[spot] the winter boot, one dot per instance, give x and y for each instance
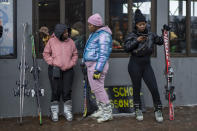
(158, 113)
(68, 110)
(106, 113)
(98, 112)
(138, 112)
(139, 115)
(54, 111)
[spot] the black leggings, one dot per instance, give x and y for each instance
(139, 67)
(61, 86)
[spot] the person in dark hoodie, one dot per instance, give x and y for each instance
(140, 44)
(1, 29)
(61, 54)
(95, 56)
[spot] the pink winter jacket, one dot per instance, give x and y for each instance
(60, 54)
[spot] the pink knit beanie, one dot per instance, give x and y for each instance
(96, 20)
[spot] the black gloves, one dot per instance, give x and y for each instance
(157, 39)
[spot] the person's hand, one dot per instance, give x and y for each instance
(96, 75)
(141, 38)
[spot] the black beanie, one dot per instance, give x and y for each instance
(139, 17)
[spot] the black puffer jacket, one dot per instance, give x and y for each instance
(1, 30)
(141, 48)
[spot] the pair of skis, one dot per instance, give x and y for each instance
(170, 96)
(22, 90)
(36, 91)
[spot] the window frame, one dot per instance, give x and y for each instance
(14, 56)
(130, 22)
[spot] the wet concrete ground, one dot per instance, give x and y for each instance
(185, 120)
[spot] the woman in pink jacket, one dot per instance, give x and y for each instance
(61, 55)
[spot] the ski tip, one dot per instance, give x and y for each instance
(171, 118)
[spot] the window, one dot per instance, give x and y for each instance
(120, 20)
(49, 16)
(48, 13)
(75, 18)
(193, 28)
(177, 22)
(183, 34)
(8, 20)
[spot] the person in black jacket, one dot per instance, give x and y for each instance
(140, 44)
(1, 29)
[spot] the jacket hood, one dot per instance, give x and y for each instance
(59, 30)
(105, 28)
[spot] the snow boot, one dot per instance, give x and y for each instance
(139, 115)
(138, 112)
(98, 112)
(68, 110)
(158, 116)
(54, 111)
(106, 113)
(158, 113)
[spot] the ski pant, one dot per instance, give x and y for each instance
(97, 86)
(61, 86)
(138, 68)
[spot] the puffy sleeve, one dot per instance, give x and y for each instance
(105, 48)
(47, 53)
(74, 55)
(130, 42)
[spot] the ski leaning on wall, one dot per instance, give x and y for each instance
(170, 96)
(36, 91)
(85, 82)
(22, 90)
(89, 105)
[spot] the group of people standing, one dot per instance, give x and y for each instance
(61, 55)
